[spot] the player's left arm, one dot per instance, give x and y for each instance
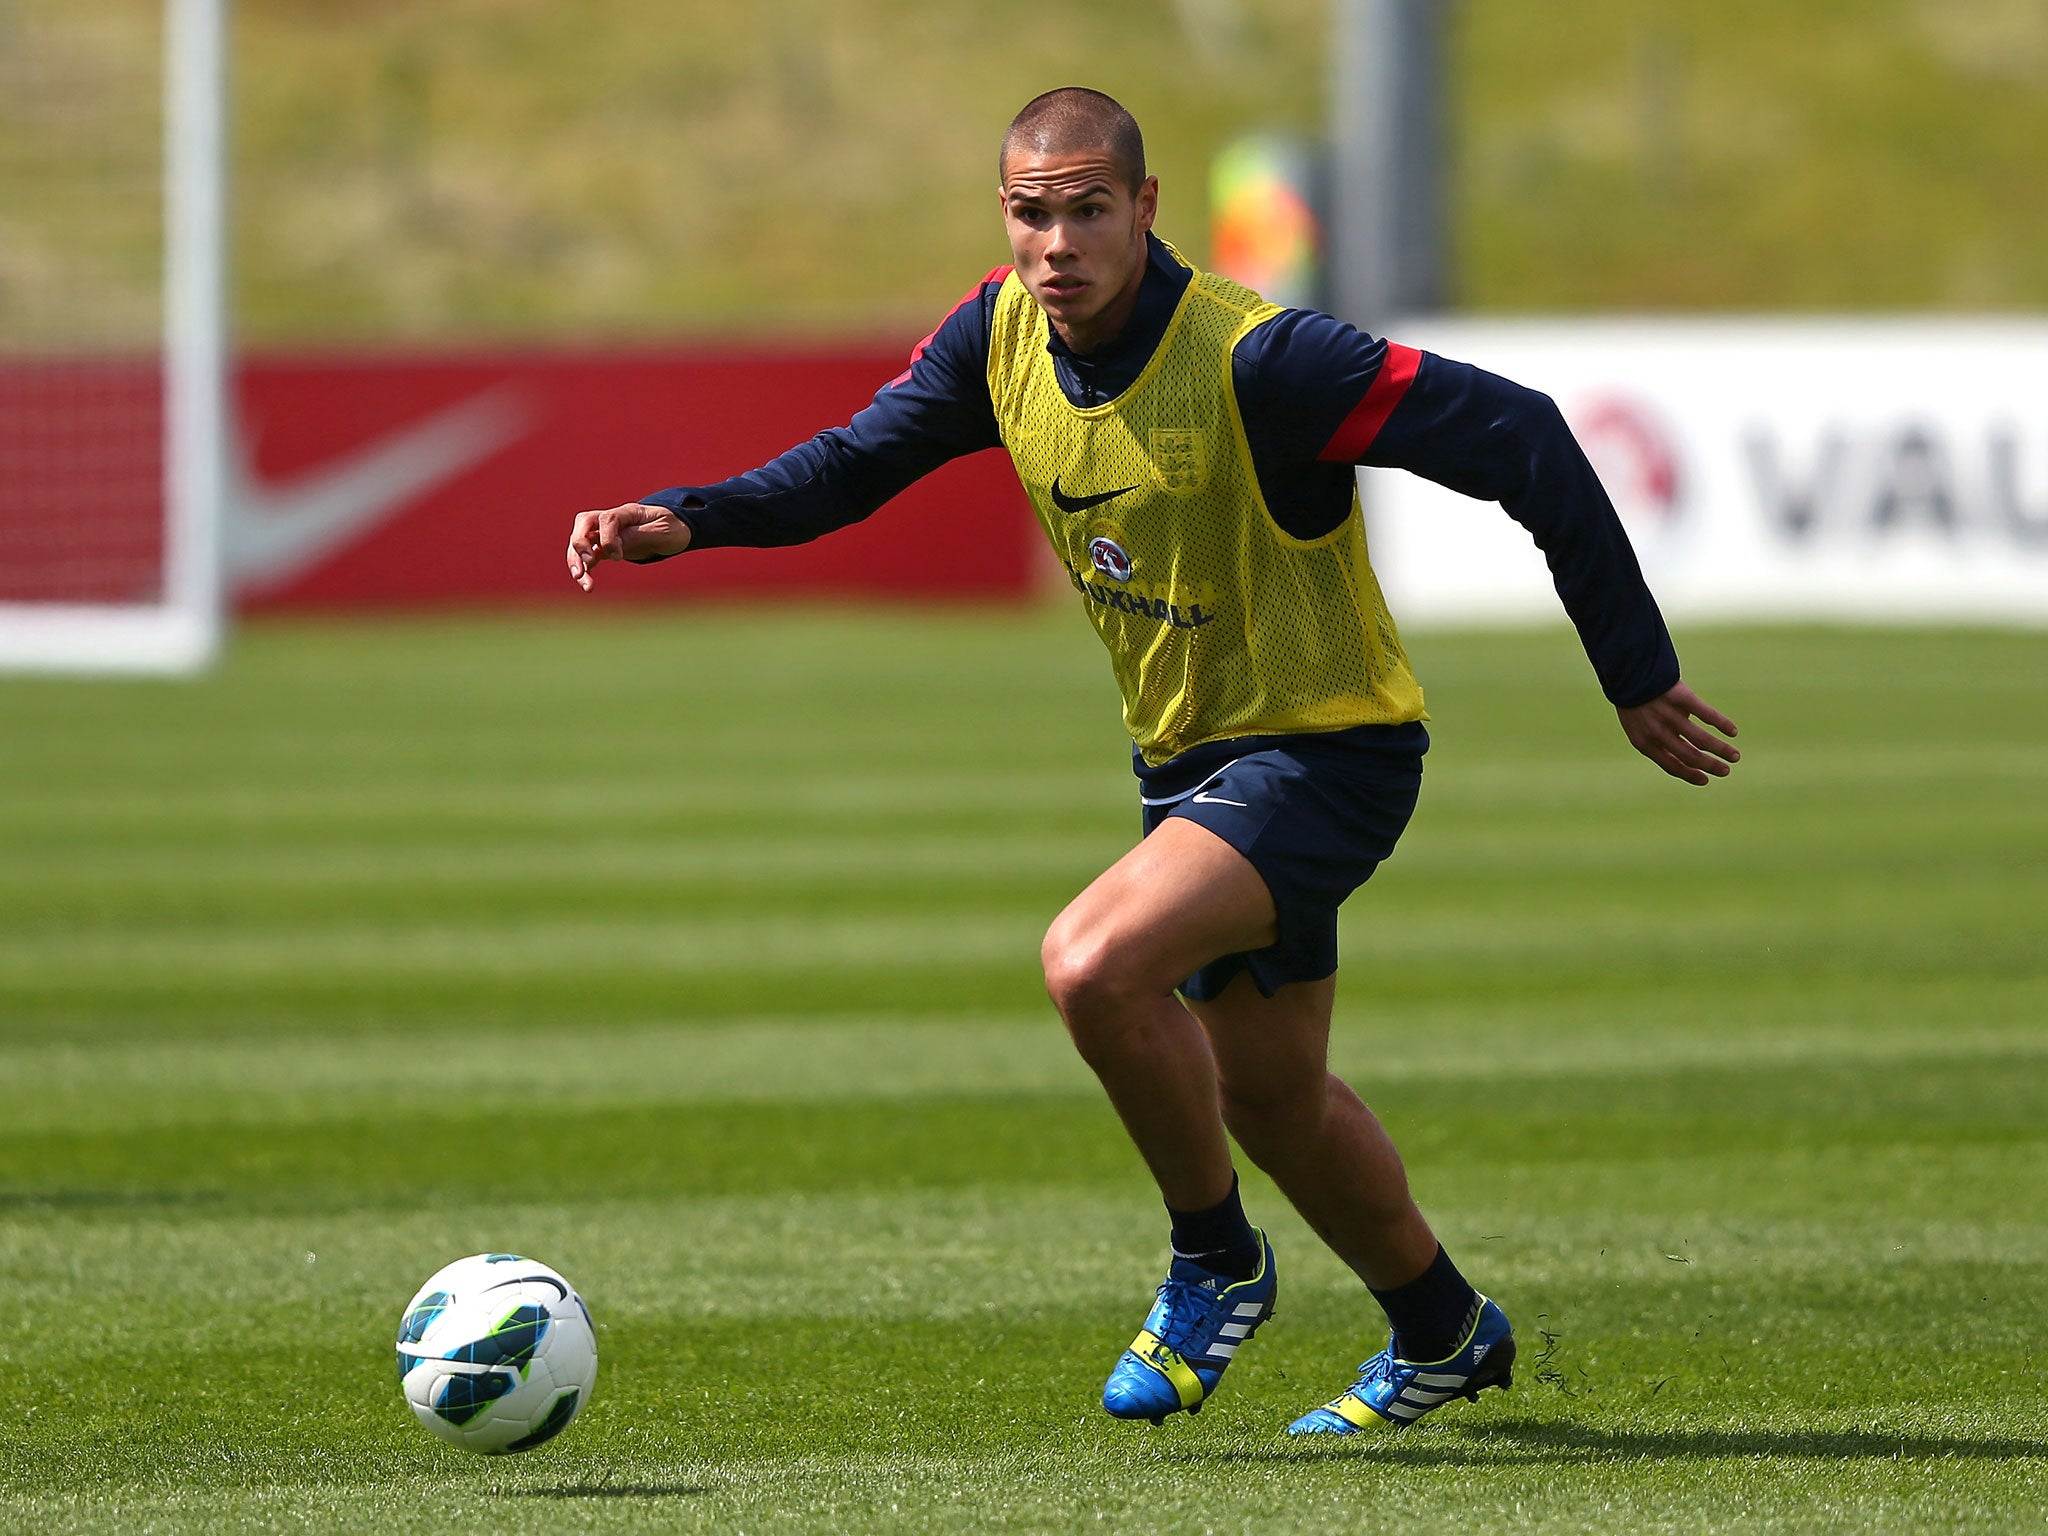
(1316, 390)
(1671, 730)
(1486, 436)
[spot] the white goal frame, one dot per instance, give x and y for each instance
(183, 632)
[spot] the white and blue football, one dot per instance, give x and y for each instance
(497, 1353)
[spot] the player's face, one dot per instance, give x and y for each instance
(1077, 234)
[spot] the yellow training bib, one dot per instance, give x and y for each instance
(1218, 623)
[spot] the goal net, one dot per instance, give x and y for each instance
(112, 388)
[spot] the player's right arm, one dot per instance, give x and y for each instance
(936, 410)
(635, 532)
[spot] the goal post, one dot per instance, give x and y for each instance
(113, 347)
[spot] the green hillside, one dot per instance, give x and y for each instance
(1805, 154)
(662, 167)
(483, 166)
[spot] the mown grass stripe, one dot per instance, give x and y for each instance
(306, 1077)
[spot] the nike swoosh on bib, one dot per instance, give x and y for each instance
(1083, 503)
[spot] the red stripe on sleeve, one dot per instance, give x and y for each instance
(1355, 434)
(995, 275)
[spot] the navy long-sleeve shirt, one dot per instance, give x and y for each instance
(1317, 397)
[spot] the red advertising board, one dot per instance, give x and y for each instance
(394, 479)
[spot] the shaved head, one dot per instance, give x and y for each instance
(1071, 120)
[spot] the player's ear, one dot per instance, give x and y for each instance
(1148, 204)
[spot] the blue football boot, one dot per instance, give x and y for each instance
(1189, 1338)
(1391, 1392)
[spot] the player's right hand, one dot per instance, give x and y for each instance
(634, 531)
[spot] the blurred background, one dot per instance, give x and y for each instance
(483, 172)
(487, 263)
(688, 931)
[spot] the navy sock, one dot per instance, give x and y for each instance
(1219, 1239)
(1432, 1313)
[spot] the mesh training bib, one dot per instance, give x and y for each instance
(1218, 623)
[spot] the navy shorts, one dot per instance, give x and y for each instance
(1315, 814)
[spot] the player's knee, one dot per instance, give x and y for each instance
(1089, 978)
(1078, 974)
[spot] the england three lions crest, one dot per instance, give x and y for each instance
(1181, 456)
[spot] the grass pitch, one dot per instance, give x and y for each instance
(696, 957)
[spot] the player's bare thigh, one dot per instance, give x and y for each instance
(1177, 901)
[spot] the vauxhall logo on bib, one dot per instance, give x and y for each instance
(1111, 564)
(1109, 559)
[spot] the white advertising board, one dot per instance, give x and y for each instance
(1783, 470)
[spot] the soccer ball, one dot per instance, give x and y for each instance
(496, 1353)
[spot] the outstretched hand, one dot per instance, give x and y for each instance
(634, 531)
(1671, 731)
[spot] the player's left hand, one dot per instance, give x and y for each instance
(1671, 731)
